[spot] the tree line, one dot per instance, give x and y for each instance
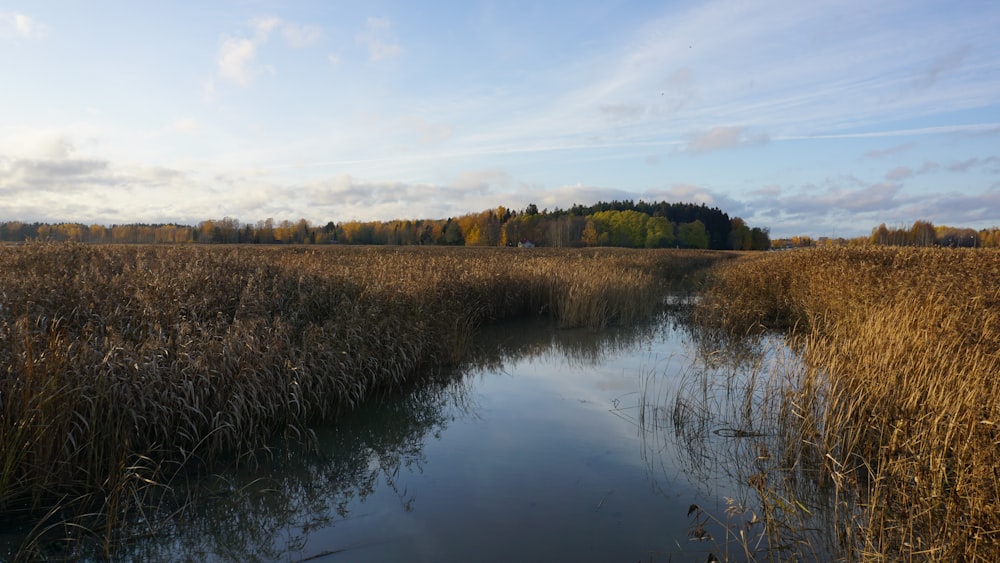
(921, 233)
(925, 233)
(616, 223)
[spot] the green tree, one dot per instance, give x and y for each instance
(740, 237)
(452, 233)
(760, 239)
(624, 228)
(659, 232)
(631, 228)
(692, 235)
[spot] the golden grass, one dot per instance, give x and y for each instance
(117, 362)
(899, 404)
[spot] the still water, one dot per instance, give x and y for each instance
(548, 445)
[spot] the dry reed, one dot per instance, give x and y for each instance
(899, 404)
(119, 362)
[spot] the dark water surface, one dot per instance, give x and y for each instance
(550, 445)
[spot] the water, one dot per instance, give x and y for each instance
(549, 445)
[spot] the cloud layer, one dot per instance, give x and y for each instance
(17, 24)
(808, 118)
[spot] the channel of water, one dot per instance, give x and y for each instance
(547, 445)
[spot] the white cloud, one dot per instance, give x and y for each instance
(482, 180)
(379, 40)
(333, 58)
(847, 205)
(846, 77)
(37, 144)
(236, 58)
(16, 24)
(263, 27)
(566, 196)
(351, 198)
(815, 208)
(95, 190)
(690, 193)
(299, 36)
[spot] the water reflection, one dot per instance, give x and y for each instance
(281, 507)
(655, 442)
(500, 345)
(734, 423)
(270, 510)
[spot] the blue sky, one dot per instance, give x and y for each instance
(820, 118)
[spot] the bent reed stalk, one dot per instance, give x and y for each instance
(118, 358)
(900, 395)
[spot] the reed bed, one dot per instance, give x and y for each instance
(118, 363)
(898, 405)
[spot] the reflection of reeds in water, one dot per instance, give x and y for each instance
(125, 366)
(514, 340)
(726, 423)
(269, 510)
(897, 405)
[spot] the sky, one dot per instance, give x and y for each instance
(818, 118)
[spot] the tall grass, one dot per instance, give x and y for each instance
(899, 404)
(119, 363)
(266, 512)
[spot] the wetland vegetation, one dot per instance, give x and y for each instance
(871, 436)
(891, 417)
(123, 364)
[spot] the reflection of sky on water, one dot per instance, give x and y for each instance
(542, 469)
(536, 452)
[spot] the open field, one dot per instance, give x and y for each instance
(896, 416)
(119, 364)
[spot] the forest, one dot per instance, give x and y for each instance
(625, 224)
